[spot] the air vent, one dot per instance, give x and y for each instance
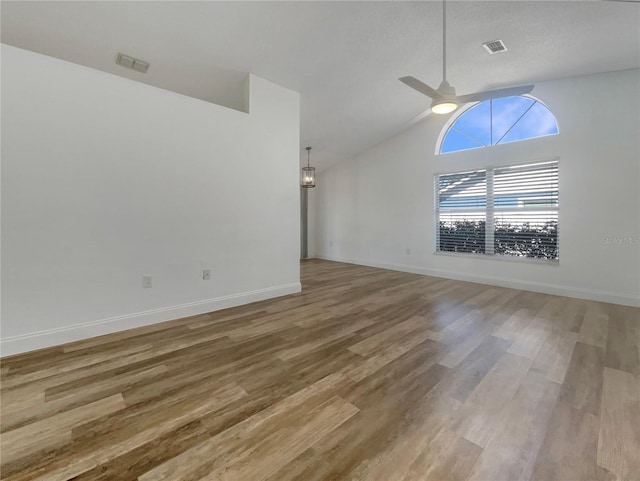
(495, 46)
(132, 63)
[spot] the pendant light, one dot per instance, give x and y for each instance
(308, 173)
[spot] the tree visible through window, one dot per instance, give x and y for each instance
(499, 121)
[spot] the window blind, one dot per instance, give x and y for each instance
(510, 211)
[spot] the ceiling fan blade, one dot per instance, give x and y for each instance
(495, 94)
(419, 117)
(421, 87)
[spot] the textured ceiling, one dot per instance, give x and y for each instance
(343, 57)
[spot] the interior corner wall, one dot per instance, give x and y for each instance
(378, 208)
(105, 180)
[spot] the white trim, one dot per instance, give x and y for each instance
(545, 288)
(62, 335)
(499, 257)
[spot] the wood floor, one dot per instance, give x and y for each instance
(368, 375)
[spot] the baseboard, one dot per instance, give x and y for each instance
(63, 335)
(555, 289)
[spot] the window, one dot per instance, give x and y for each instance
(506, 211)
(499, 121)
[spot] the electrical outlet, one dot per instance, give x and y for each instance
(331, 243)
(408, 251)
(147, 281)
(206, 275)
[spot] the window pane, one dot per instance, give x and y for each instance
(455, 141)
(462, 233)
(462, 191)
(462, 202)
(530, 234)
(506, 112)
(536, 122)
(526, 210)
(476, 123)
(499, 121)
(526, 186)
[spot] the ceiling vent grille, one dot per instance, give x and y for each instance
(132, 63)
(495, 46)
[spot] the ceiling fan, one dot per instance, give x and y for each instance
(444, 97)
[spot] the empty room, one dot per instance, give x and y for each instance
(320, 240)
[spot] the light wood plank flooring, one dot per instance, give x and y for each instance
(368, 375)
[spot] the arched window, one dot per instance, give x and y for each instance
(499, 121)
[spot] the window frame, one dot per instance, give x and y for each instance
(462, 111)
(490, 170)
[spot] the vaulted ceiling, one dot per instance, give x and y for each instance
(343, 57)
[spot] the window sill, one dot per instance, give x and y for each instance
(502, 258)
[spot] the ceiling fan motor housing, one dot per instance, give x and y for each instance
(446, 90)
(447, 102)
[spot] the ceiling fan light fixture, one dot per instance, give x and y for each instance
(443, 106)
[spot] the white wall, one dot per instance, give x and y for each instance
(373, 208)
(105, 180)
